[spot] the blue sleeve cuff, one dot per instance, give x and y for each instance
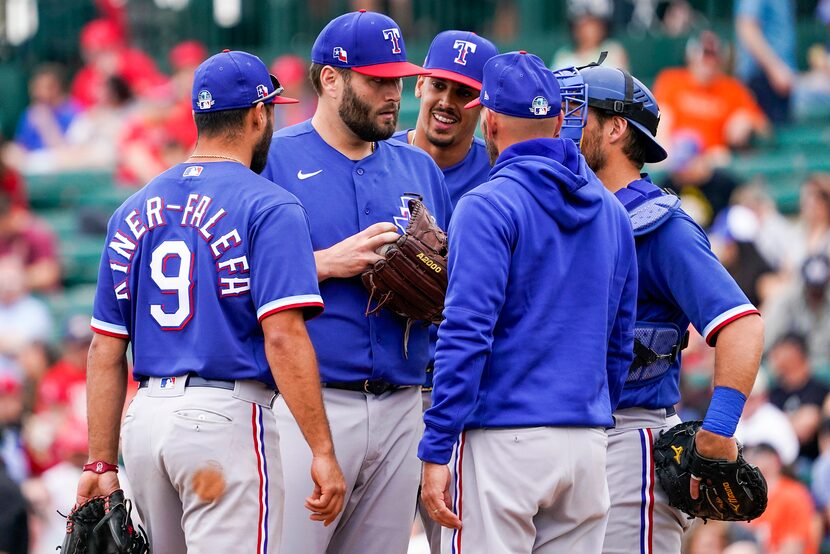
(436, 446)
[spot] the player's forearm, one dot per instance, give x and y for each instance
(291, 357)
(738, 353)
(106, 383)
(753, 39)
(321, 259)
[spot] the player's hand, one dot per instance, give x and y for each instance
(435, 495)
(92, 484)
(356, 254)
(326, 501)
(715, 447)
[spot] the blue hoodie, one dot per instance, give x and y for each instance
(539, 314)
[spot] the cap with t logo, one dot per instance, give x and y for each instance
(366, 42)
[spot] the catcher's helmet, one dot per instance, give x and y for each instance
(616, 92)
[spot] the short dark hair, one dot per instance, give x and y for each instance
(224, 122)
(314, 71)
(634, 146)
(796, 339)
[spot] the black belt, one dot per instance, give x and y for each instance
(195, 381)
(369, 386)
(670, 411)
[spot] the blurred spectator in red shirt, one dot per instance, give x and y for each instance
(50, 112)
(163, 133)
(11, 183)
(701, 98)
(292, 71)
(185, 57)
(32, 242)
(63, 387)
(106, 53)
(789, 522)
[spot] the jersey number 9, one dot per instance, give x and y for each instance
(180, 284)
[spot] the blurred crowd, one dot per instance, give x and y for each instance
(122, 114)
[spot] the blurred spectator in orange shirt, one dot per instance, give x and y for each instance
(701, 98)
(291, 71)
(789, 523)
(32, 242)
(106, 53)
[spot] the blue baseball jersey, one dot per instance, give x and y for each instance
(343, 197)
(539, 315)
(467, 174)
(194, 261)
(680, 282)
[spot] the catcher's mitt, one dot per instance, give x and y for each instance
(411, 280)
(729, 491)
(102, 525)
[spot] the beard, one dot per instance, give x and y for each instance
(595, 157)
(359, 117)
(492, 149)
(260, 155)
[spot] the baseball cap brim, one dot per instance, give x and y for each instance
(274, 97)
(473, 104)
(455, 77)
(654, 152)
(392, 70)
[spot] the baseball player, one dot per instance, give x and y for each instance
(681, 281)
(445, 131)
(516, 375)
(208, 271)
(356, 186)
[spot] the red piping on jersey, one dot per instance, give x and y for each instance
(109, 333)
(711, 338)
(294, 306)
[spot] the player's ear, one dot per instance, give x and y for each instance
(419, 84)
(330, 81)
(490, 122)
(259, 116)
(558, 124)
(616, 129)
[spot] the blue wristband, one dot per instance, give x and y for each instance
(724, 411)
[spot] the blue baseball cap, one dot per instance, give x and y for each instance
(234, 80)
(366, 42)
(519, 84)
(459, 56)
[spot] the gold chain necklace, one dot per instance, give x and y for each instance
(215, 157)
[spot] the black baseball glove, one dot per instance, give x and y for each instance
(729, 491)
(102, 525)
